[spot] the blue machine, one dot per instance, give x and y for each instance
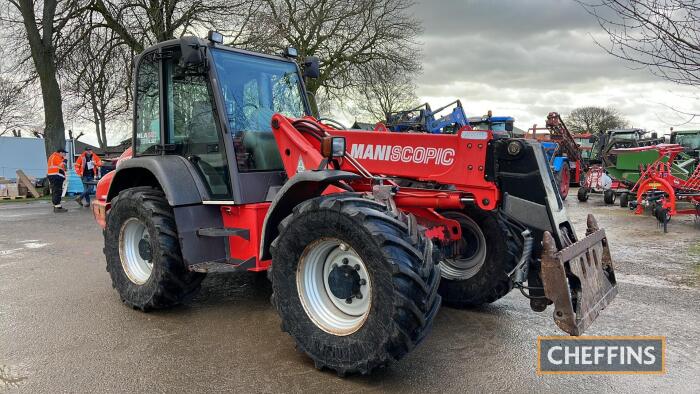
(555, 161)
(499, 124)
(423, 119)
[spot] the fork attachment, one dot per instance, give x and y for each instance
(579, 279)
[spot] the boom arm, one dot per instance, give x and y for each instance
(451, 171)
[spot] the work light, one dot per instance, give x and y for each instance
(291, 52)
(333, 147)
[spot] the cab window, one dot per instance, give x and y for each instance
(147, 127)
(254, 88)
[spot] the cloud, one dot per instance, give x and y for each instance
(527, 58)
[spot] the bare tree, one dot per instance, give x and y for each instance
(384, 91)
(97, 80)
(661, 35)
(348, 36)
(140, 23)
(16, 107)
(44, 23)
(595, 120)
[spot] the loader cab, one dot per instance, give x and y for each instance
(500, 125)
(212, 105)
(689, 139)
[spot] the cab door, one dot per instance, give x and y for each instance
(191, 126)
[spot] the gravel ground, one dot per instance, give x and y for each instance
(63, 328)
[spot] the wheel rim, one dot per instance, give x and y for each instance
(329, 274)
(471, 252)
(135, 251)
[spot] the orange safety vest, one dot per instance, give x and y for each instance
(80, 163)
(57, 165)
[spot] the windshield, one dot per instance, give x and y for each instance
(254, 88)
(584, 142)
(494, 126)
(626, 136)
(689, 141)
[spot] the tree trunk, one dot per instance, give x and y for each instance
(44, 58)
(54, 131)
(103, 133)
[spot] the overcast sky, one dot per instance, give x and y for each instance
(525, 58)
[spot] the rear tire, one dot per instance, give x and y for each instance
(489, 281)
(582, 194)
(401, 282)
(609, 197)
(563, 179)
(143, 251)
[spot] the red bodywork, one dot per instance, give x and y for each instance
(658, 177)
(100, 205)
(251, 217)
(556, 131)
(457, 160)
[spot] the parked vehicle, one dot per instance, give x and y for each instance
(689, 139)
(600, 176)
(229, 172)
(425, 119)
(563, 153)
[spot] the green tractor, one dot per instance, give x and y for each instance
(689, 139)
(603, 175)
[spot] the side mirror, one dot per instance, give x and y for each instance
(592, 140)
(192, 53)
(312, 68)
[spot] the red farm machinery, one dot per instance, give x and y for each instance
(666, 187)
(362, 234)
(602, 174)
(561, 150)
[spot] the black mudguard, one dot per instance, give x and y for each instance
(176, 176)
(303, 186)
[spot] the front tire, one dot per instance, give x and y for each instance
(609, 197)
(478, 274)
(582, 194)
(389, 274)
(143, 251)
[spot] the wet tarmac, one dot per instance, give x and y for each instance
(63, 328)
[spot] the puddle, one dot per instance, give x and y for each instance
(28, 244)
(8, 252)
(10, 377)
(35, 245)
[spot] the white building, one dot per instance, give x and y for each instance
(26, 154)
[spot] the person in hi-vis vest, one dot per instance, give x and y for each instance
(56, 174)
(88, 168)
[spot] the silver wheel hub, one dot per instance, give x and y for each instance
(135, 251)
(469, 254)
(334, 286)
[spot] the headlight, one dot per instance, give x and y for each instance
(514, 148)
